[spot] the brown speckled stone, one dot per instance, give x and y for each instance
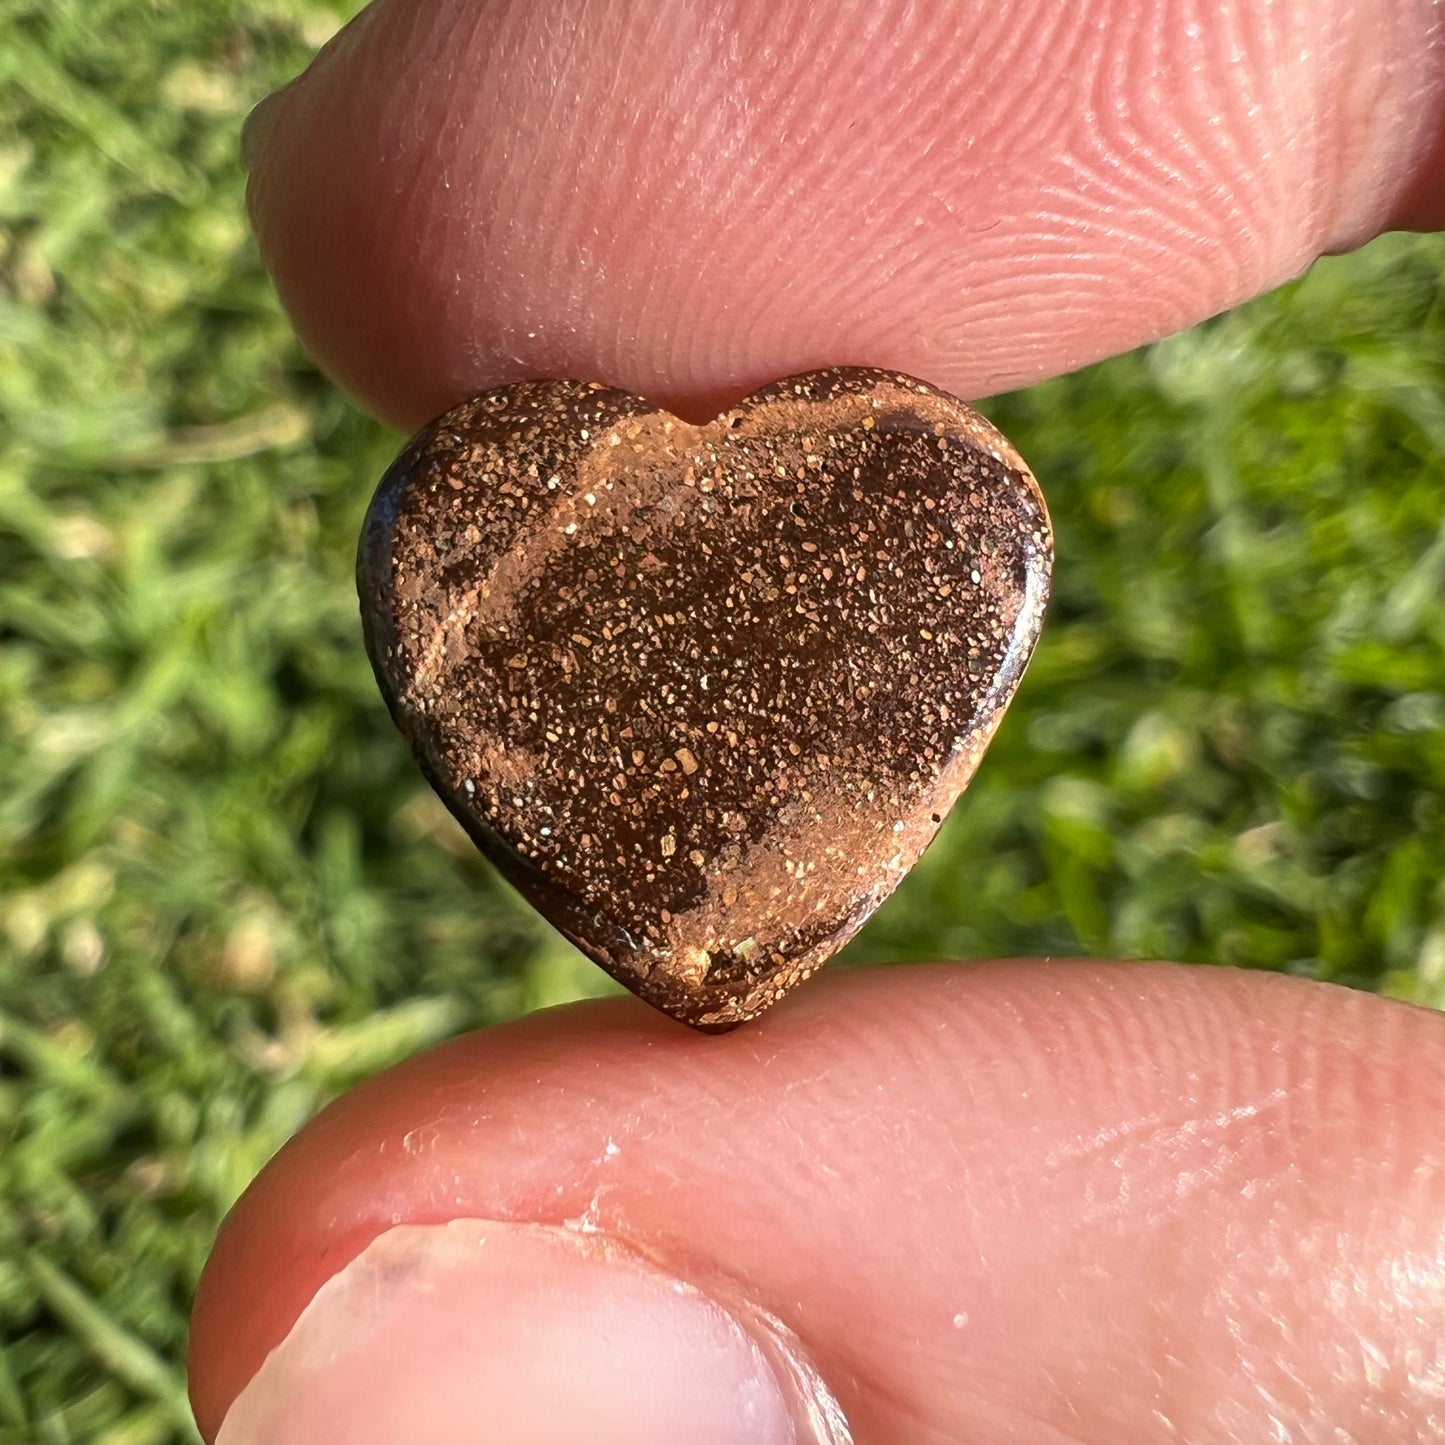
(705, 693)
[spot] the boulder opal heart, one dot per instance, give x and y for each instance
(705, 693)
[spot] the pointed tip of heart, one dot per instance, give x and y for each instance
(705, 693)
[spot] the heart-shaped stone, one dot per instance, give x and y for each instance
(705, 693)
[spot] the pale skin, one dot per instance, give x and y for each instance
(1013, 1202)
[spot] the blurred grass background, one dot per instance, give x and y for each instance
(225, 894)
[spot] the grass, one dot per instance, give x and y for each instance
(225, 895)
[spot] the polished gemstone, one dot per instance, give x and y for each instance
(704, 693)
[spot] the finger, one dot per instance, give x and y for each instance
(688, 200)
(1002, 1203)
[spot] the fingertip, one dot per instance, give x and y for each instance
(1211, 1186)
(689, 202)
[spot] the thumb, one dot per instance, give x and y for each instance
(1007, 1203)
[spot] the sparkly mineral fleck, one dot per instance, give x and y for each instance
(705, 693)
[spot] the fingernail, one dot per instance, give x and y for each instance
(257, 126)
(262, 120)
(476, 1330)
